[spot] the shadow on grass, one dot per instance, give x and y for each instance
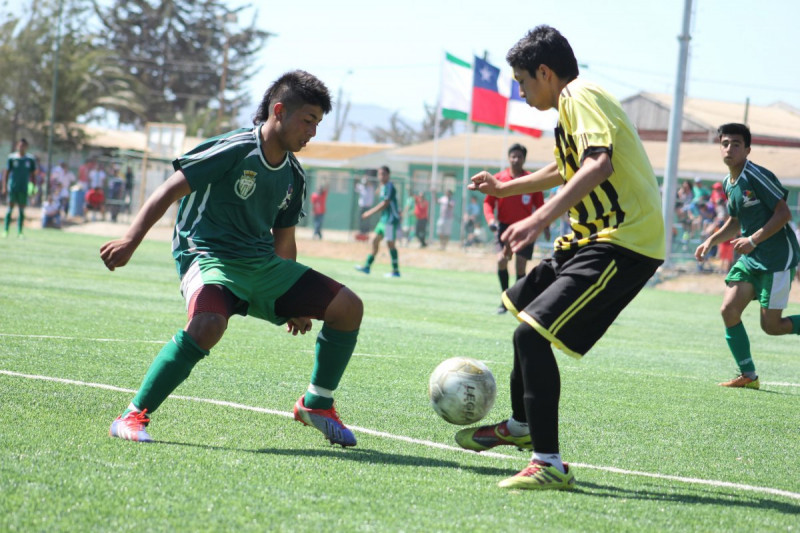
(688, 496)
(361, 455)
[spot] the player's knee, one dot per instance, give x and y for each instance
(525, 335)
(730, 314)
(345, 311)
(772, 327)
(207, 329)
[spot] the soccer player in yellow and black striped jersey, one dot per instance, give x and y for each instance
(615, 245)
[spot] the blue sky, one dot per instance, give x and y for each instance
(388, 53)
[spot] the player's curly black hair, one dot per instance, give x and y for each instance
(544, 45)
(735, 128)
(294, 89)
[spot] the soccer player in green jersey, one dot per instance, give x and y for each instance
(16, 177)
(615, 246)
(388, 225)
(241, 196)
(770, 252)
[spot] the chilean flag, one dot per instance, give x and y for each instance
(526, 119)
(489, 95)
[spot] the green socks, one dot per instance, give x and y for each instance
(370, 260)
(739, 344)
(795, 324)
(395, 260)
(333, 352)
(169, 369)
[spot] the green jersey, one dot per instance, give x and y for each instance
(20, 170)
(237, 199)
(390, 214)
(752, 198)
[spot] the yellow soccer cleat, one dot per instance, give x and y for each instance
(540, 476)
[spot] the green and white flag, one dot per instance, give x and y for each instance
(456, 88)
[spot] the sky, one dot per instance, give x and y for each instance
(389, 54)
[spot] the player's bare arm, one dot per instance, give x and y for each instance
(376, 209)
(780, 217)
(729, 230)
(286, 247)
(285, 242)
(543, 179)
(596, 168)
(118, 252)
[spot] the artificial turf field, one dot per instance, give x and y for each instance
(656, 445)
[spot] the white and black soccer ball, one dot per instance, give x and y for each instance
(462, 390)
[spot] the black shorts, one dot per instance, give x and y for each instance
(526, 252)
(572, 297)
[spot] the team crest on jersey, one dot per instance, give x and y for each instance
(246, 184)
(286, 199)
(750, 198)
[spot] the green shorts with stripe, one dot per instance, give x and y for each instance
(388, 230)
(572, 297)
(257, 281)
(771, 288)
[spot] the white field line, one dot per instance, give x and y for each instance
(357, 354)
(429, 444)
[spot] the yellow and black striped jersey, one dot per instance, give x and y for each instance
(626, 208)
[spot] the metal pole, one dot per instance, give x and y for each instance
(675, 134)
(46, 184)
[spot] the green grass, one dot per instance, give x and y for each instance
(644, 401)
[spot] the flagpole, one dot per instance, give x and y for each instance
(433, 182)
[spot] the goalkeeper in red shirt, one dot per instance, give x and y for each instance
(509, 210)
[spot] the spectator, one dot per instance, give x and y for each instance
(471, 222)
(318, 199)
(408, 218)
(51, 209)
(445, 222)
(116, 193)
(366, 196)
(63, 176)
(421, 209)
(95, 201)
(97, 177)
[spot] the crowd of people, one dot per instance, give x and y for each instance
(97, 190)
(699, 212)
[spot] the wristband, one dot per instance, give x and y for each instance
(750, 240)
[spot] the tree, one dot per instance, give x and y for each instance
(401, 133)
(87, 81)
(182, 52)
(427, 131)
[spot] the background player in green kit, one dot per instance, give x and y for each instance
(757, 206)
(234, 246)
(388, 225)
(617, 242)
(16, 177)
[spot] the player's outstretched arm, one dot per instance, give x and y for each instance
(375, 209)
(543, 179)
(729, 230)
(118, 252)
